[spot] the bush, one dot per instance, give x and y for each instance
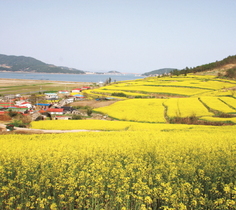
(12, 113)
(10, 127)
(76, 117)
(89, 111)
(119, 94)
(231, 73)
(18, 123)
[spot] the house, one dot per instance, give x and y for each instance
(85, 88)
(63, 117)
(43, 106)
(70, 100)
(63, 92)
(55, 111)
(67, 109)
(6, 104)
(100, 83)
(9, 97)
(51, 96)
(76, 90)
(78, 96)
(24, 104)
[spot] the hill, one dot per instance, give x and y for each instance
(158, 71)
(225, 67)
(13, 63)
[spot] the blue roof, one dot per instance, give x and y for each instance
(79, 95)
(41, 104)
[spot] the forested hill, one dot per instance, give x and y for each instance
(158, 71)
(226, 67)
(13, 63)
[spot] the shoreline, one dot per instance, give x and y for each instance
(32, 72)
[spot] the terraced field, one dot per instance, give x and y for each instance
(192, 85)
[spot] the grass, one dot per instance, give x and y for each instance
(37, 86)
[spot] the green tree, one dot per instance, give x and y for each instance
(231, 73)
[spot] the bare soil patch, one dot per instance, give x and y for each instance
(16, 82)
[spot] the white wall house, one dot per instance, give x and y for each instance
(51, 96)
(63, 92)
(76, 90)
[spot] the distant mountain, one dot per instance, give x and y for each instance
(13, 63)
(113, 72)
(158, 71)
(108, 72)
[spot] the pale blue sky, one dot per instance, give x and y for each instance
(133, 36)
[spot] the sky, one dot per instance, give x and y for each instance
(130, 36)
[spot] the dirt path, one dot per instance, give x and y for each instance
(40, 131)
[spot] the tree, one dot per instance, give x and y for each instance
(231, 73)
(36, 99)
(12, 113)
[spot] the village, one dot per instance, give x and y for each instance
(19, 110)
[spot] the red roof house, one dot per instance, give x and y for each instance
(55, 111)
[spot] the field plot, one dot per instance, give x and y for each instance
(103, 125)
(229, 101)
(139, 110)
(216, 104)
(131, 170)
(182, 91)
(220, 119)
(186, 107)
(115, 93)
(192, 83)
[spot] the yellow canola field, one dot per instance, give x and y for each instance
(80, 125)
(109, 92)
(219, 119)
(216, 104)
(103, 125)
(230, 101)
(119, 170)
(156, 89)
(187, 85)
(194, 83)
(139, 110)
(186, 107)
